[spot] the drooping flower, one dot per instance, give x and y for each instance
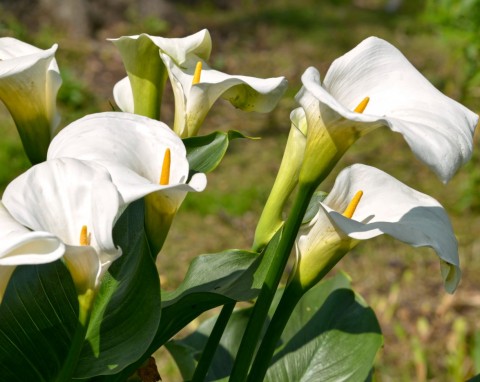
(72, 201)
(20, 246)
(145, 158)
(195, 85)
(29, 82)
(375, 85)
(386, 207)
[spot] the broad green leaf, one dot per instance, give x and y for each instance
(204, 153)
(211, 280)
(127, 308)
(38, 317)
(39, 313)
(331, 336)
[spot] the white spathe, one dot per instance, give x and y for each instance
(387, 207)
(20, 246)
(61, 196)
(132, 148)
(194, 101)
(179, 48)
(29, 83)
(438, 129)
(136, 50)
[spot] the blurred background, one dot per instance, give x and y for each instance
(429, 335)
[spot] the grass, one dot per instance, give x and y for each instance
(429, 335)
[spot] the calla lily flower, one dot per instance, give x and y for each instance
(141, 92)
(133, 148)
(20, 246)
(29, 82)
(375, 85)
(71, 206)
(386, 207)
(195, 85)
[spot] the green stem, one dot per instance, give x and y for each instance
(284, 310)
(70, 363)
(259, 314)
(85, 304)
(212, 343)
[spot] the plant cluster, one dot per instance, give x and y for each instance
(83, 228)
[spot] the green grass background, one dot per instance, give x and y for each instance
(429, 335)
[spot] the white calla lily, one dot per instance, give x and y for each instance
(29, 82)
(197, 87)
(387, 207)
(76, 202)
(20, 246)
(141, 92)
(132, 148)
(390, 92)
(193, 99)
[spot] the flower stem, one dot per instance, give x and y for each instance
(284, 310)
(259, 314)
(212, 343)
(66, 373)
(85, 304)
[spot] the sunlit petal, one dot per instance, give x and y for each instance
(61, 196)
(438, 129)
(132, 148)
(192, 102)
(123, 95)
(20, 246)
(387, 207)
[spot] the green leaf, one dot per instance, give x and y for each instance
(331, 336)
(204, 153)
(211, 280)
(38, 317)
(126, 313)
(40, 336)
